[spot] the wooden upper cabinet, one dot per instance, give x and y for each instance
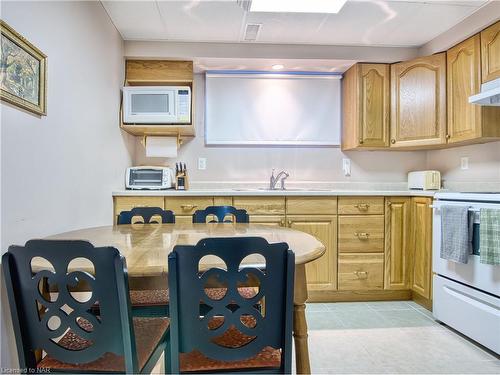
(366, 93)
(468, 123)
(490, 52)
(464, 80)
(158, 72)
(418, 102)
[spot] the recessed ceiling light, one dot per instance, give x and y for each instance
(297, 6)
(277, 66)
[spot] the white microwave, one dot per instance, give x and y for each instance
(149, 178)
(157, 105)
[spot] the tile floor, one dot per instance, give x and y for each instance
(389, 337)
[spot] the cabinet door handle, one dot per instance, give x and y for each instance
(448, 136)
(361, 141)
(362, 206)
(282, 223)
(289, 223)
(187, 207)
(362, 235)
(361, 274)
(393, 141)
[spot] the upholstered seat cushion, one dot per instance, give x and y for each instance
(195, 361)
(161, 296)
(148, 333)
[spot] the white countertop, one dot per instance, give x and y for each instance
(263, 192)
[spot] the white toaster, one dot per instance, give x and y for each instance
(424, 180)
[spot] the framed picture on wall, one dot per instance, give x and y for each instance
(23, 72)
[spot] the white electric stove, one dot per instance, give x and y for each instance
(467, 296)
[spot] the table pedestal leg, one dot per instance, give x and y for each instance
(299, 321)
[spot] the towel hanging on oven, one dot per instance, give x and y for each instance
(489, 236)
(456, 237)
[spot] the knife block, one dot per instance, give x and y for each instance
(181, 181)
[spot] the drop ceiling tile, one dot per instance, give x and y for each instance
(346, 27)
(202, 20)
(360, 22)
(136, 19)
(418, 23)
(394, 23)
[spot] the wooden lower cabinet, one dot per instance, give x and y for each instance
(376, 248)
(127, 203)
(421, 246)
(181, 219)
(186, 206)
(223, 201)
(361, 233)
(261, 205)
(361, 271)
(273, 220)
(361, 205)
(322, 273)
(397, 241)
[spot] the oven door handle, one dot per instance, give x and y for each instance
(470, 209)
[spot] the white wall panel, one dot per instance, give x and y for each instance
(272, 109)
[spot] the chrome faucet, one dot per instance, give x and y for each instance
(282, 176)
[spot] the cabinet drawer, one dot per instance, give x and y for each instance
(127, 203)
(358, 234)
(261, 206)
(311, 205)
(361, 205)
(361, 271)
(273, 220)
(181, 219)
(187, 205)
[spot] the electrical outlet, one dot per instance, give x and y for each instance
(346, 166)
(202, 163)
(464, 163)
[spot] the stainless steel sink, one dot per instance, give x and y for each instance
(291, 189)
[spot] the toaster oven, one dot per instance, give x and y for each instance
(149, 178)
(424, 180)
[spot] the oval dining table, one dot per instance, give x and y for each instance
(146, 248)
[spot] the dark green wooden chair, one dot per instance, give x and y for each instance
(147, 214)
(220, 212)
(234, 335)
(64, 325)
(148, 302)
(156, 302)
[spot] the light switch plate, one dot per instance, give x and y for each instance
(202, 164)
(346, 166)
(464, 163)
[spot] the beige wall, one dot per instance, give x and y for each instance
(58, 171)
(484, 163)
(303, 164)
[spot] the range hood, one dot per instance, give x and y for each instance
(489, 95)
